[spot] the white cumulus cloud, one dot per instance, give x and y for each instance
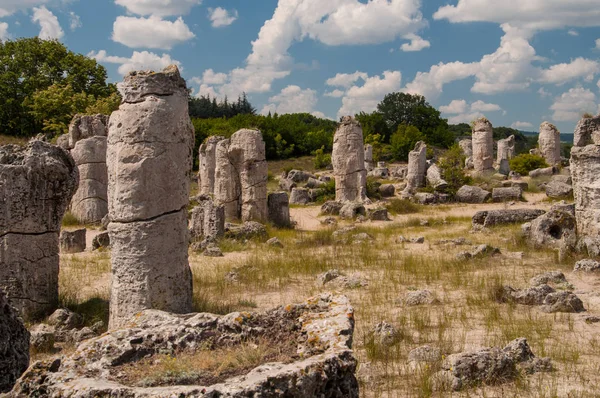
(521, 125)
(571, 105)
(4, 31)
(151, 32)
(366, 97)
(465, 113)
(162, 8)
(49, 26)
(346, 80)
(483, 107)
(455, 106)
(292, 99)
(74, 21)
(220, 17)
(9, 7)
(143, 60)
(335, 93)
(563, 73)
(417, 43)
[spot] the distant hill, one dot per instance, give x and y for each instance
(566, 138)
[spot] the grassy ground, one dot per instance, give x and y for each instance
(467, 316)
(5, 140)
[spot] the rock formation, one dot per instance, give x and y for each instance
(87, 142)
(549, 143)
(467, 147)
(14, 345)
(369, 157)
(348, 161)
(207, 162)
(585, 172)
(37, 183)
(417, 167)
(506, 151)
(241, 176)
(150, 145)
(207, 221)
(279, 209)
(73, 241)
(434, 178)
(483, 146)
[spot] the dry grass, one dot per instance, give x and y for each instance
(7, 139)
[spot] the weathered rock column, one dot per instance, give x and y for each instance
(417, 167)
(348, 161)
(483, 146)
(369, 157)
(150, 144)
(207, 159)
(87, 141)
(467, 147)
(549, 143)
(36, 186)
(585, 172)
(506, 151)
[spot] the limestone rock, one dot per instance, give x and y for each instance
(73, 241)
(562, 302)
(417, 165)
(331, 208)
(275, 242)
(279, 209)
(369, 157)
(506, 150)
(425, 198)
(557, 190)
(587, 132)
(549, 143)
(483, 146)
(531, 296)
(384, 333)
(207, 160)
(299, 176)
(227, 182)
(150, 144)
(585, 169)
(300, 196)
(554, 277)
(348, 162)
(101, 241)
(507, 194)
(352, 210)
(314, 183)
(379, 215)
(212, 250)
(471, 194)
(387, 190)
(553, 229)
(246, 231)
(544, 172)
(489, 218)
(36, 186)
(42, 338)
(587, 265)
(434, 178)
(286, 185)
(425, 354)
(14, 345)
(207, 221)
(64, 319)
(420, 297)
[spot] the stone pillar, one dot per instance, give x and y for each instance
(87, 141)
(349, 162)
(483, 146)
(585, 173)
(227, 188)
(467, 147)
(417, 167)
(506, 151)
(434, 178)
(207, 162)
(150, 144)
(37, 183)
(369, 157)
(549, 143)
(208, 221)
(279, 209)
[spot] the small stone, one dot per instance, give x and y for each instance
(592, 319)
(352, 210)
(420, 297)
(42, 338)
(331, 208)
(555, 277)
(300, 196)
(362, 237)
(384, 334)
(329, 221)
(64, 319)
(275, 242)
(213, 251)
(426, 353)
(587, 265)
(379, 215)
(101, 241)
(387, 190)
(73, 241)
(562, 302)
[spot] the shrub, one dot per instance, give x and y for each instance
(452, 168)
(404, 140)
(525, 163)
(69, 220)
(373, 188)
(327, 192)
(322, 159)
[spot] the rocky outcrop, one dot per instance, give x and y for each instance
(417, 167)
(489, 218)
(483, 146)
(585, 171)
(553, 229)
(549, 143)
(300, 196)
(369, 157)
(506, 151)
(150, 145)
(14, 345)
(279, 209)
(467, 147)
(348, 162)
(87, 142)
(207, 221)
(207, 162)
(434, 178)
(325, 366)
(507, 194)
(37, 183)
(472, 194)
(73, 241)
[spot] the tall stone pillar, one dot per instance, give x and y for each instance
(348, 159)
(150, 144)
(36, 186)
(417, 167)
(483, 146)
(207, 158)
(549, 143)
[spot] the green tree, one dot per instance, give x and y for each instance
(374, 124)
(404, 140)
(30, 65)
(452, 168)
(525, 162)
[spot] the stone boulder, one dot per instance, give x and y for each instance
(417, 168)
(587, 265)
(331, 208)
(544, 172)
(556, 228)
(246, 231)
(14, 345)
(207, 221)
(101, 241)
(562, 302)
(507, 194)
(387, 190)
(286, 185)
(207, 162)
(434, 178)
(278, 204)
(558, 190)
(73, 241)
(489, 218)
(352, 210)
(300, 196)
(379, 215)
(471, 194)
(299, 176)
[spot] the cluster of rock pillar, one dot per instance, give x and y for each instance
(234, 172)
(348, 159)
(585, 172)
(86, 141)
(483, 146)
(37, 183)
(150, 144)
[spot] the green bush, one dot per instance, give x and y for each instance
(322, 159)
(452, 168)
(373, 188)
(404, 140)
(69, 220)
(327, 192)
(525, 163)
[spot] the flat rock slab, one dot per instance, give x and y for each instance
(489, 218)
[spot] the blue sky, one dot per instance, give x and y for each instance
(518, 62)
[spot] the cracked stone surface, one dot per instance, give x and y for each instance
(348, 159)
(14, 345)
(483, 146)
(36, 186)
(488, 218)
(150, 145)
(207, 159)
(207, 221)
(549, 143)
(88, 142)
(417, 166)
(325, 367)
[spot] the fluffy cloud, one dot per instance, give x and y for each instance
(571, 105)
(465, 113)
(366, 97)
(50, 28)
(332, 22)
(151, 32)
(417, 43)
(483, 107)
(465, 117)
(138, 61)
(220, 17)
(74, 21)
(578, 68)
(9, 7)
(335, 94)
(430, 84)
(292, 99)
(571, 32)
(346, 80)
(456, 106)
(521, 125)
(4, 31)
(531, 15)
(210, 77)
(162, 8)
